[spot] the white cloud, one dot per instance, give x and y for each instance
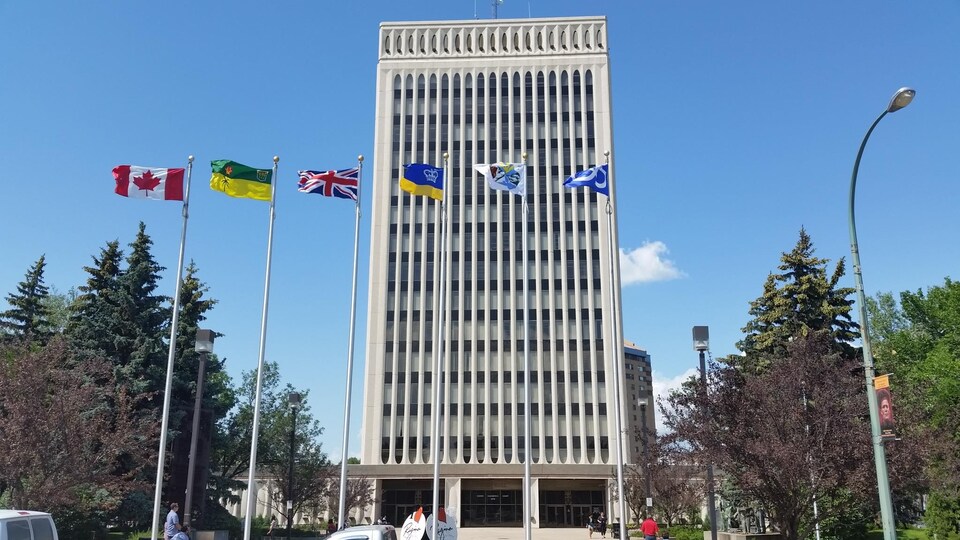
(662, 387)
(646, 263)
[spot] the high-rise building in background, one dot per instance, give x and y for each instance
(639, 418)
(486, 91)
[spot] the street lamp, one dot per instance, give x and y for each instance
(293, 399)
(701, 343)
(901, 99)
(203, 346)
(646, 455)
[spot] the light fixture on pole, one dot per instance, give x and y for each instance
(203, 347)
(646, 456)
(293, 399)
(901, 99)
(701, 343)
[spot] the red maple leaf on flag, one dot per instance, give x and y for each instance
(147, 182)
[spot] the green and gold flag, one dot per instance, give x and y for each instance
(238, 180)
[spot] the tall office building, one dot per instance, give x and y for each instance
(639, 416)
(489, 91)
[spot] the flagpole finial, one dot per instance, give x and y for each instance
(276, 159)
(360, 158)
(446, 156)
(190, 158)
(606, 154)
(524, 156)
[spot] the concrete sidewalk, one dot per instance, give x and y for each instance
(516, 533)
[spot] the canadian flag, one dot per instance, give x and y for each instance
(149, 182)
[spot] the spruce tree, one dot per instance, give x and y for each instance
(28, 318)
(800, 300)
(92, 328)
(142, 349)
(218, 394)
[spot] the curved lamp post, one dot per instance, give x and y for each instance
(901, 99)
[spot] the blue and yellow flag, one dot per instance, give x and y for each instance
(421, 179)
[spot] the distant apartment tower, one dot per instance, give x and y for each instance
(640, 409)
(487, 91)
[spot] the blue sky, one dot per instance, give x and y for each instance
(735, 124)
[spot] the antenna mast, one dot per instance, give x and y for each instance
(493, 6)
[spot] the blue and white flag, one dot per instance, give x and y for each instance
(594, 178)
(510, 177)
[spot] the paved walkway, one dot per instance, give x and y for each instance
(516, 533)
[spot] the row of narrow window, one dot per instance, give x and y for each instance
(543, 42)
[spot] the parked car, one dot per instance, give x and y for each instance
(362, 532)
(27, 525)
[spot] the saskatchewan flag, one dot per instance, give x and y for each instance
(238, 180)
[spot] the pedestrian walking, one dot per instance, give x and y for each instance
(649, 528)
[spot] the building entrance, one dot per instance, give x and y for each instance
(569, 508)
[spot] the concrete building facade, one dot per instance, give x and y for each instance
(489, 91)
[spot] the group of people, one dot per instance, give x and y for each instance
(597, 522)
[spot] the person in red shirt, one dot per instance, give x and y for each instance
(649, 528)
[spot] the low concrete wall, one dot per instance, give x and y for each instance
(209, 535)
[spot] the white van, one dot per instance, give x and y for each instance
(26, 525)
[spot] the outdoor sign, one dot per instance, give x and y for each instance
(414, 526)
(881, 386)
(447, 529)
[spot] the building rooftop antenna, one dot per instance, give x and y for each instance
(493, 6)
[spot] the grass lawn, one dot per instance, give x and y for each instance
(907, 534)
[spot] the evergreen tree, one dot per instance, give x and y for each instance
(218, 394)
(28, 318)
(142, 350)
(118, 317)
(92, 327)
(800, 300)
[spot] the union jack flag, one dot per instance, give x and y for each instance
(342, 184)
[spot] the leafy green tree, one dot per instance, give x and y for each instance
(231, 453)
(919, 343)
(28, 317)
(59, 307)
(800, 300)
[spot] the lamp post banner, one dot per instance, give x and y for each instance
(881, 385)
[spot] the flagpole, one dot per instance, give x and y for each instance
(251, 488)
(617, 351)
(164, 423)
(341, 515)
(438, 333)
(527, 421)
